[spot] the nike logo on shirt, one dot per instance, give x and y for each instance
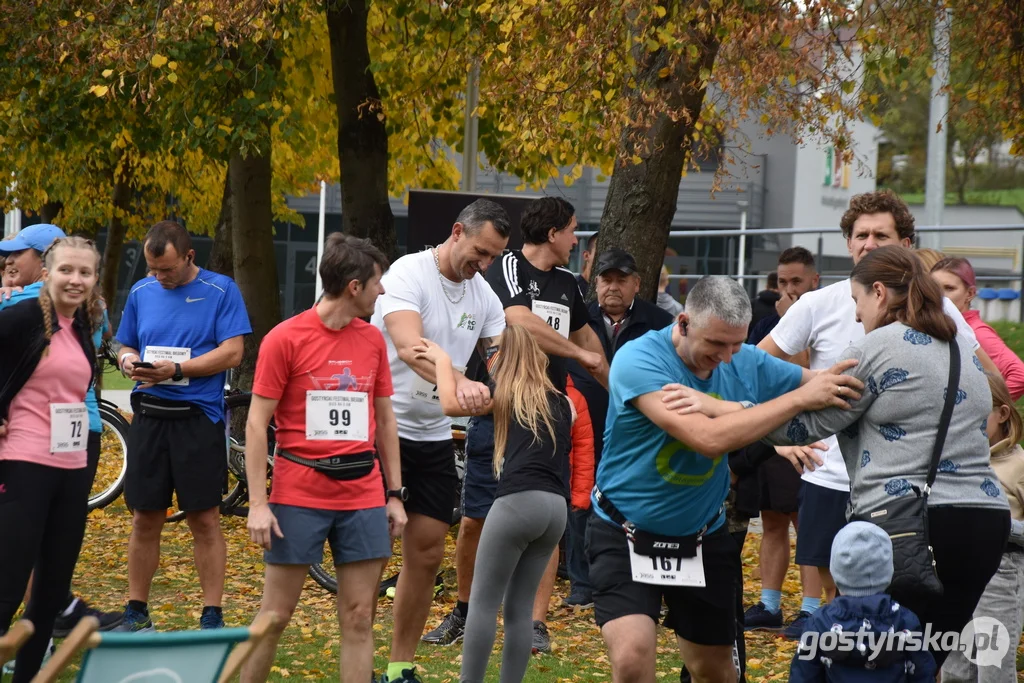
(190, 300)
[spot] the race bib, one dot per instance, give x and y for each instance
(337, 416)
(555, 315)
(667, 571)
(171, 353)
(422, 390)
(69, 427)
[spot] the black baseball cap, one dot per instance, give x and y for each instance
(616, 259)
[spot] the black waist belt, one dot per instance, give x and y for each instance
(650, 544)
(163, 408)
(341, 467)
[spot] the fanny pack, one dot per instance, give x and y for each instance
(650, 544)
(162, 408)
(340, 467)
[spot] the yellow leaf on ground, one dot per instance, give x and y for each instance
(157, 61)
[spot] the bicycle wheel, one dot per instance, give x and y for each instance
(323, 572)
(236, 499)
(459, 439)
(109, 481)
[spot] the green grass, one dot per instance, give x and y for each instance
(115, 381)
(990, 197)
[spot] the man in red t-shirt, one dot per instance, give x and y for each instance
(324, 378)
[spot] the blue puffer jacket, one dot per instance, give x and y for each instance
(870, 639)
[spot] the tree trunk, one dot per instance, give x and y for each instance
(642, 197)
(222, 254)
(121, 199)
(362, 137)
(252, 236)
(49, 212)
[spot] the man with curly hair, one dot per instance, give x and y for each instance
(825, 322)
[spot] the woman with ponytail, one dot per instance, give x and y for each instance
(532, 437)
(886, 437)
(46, 369)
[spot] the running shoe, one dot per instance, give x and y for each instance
(450, 631)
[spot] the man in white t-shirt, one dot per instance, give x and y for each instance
(825, 323)
(437, 294)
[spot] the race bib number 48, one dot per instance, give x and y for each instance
(555, 315)
(69, 427)
(667, 571)
(337, 416)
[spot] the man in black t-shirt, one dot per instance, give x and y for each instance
(539, 293)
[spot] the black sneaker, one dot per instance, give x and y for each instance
(408, 676)
(579, 599)
(758, 618)
(211, 619)
(64, 623)
(795, 629)
(541, 640)
(450, 631)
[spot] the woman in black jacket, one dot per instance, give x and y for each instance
(46, 368)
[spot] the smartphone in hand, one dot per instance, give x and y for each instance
(143, 364)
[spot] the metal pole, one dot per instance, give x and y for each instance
(935, 178)
(741, 264)
(821, 253)
(470, 130)
(321, 228)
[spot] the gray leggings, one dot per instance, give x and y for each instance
(516, 543)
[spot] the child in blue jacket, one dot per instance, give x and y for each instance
(863, 635)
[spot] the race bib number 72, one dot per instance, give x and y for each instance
(69, 427)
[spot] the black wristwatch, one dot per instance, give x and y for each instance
(401, 494)
(177, 376)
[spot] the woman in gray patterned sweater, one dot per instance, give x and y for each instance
(887, 436)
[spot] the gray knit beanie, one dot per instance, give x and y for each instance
(861, 562)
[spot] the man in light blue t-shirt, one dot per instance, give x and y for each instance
(663, 475)
(182, 329)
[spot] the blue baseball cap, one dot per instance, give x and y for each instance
(37, 237)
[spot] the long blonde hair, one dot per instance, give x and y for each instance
(91, 307)
(522, 386)
(1013, 428)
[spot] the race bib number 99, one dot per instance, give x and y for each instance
(69, 427)
(337, 416)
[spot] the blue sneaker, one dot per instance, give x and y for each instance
(211, 619)
(759, 618)
(795, 630)
(134, 622)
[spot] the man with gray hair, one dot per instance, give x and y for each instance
(659, 532)
(437, 294)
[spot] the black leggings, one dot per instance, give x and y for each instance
(968, 544)
(42, 515)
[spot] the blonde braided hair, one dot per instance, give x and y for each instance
(91, 308)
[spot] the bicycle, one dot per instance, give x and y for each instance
(113, 463)
(323, 573)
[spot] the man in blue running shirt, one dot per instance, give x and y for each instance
(181, 329)
(664, 478)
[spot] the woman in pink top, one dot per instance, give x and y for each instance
(956, 277)
(45, 370)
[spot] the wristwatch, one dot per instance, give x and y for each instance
(177, 376)
(402, 494)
